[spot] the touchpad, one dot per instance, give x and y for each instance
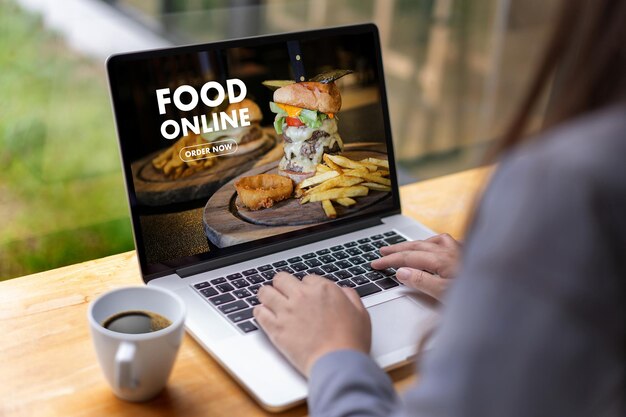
(396, 324)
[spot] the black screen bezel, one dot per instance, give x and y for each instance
(234, 254)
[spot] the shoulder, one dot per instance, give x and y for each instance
(590, 150)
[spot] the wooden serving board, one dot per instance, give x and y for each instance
(155, 189)
(227, 222)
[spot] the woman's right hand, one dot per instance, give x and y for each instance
(424, 265)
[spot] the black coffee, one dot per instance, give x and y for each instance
(136, 322)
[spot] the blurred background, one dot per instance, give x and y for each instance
(455, 72)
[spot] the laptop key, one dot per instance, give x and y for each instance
(225, 287)
(316, 271)
(323, 252)
(240, 283)
(336, 248)
(253, 301)
(269, 282)
(357, 260)
(201, 285)
(240, 315)
(310, 255)
(209, 292)
(268, 274)
(300, 274)
(340, 255)
(387, 283)
(395, 239)
(392, 233)
(329, 268)
(247, 326)
(364, 240)
(356, 270)
(377, 237)
(313, 263)
(379, 244)
(367, 266)
(370, 256)
(353, 251)
(346, 283)
(350, 244)
(360, 280)
(249, 272)
(264, 268)
(331, 277)
(299, 267)
(284, 269)
(243, 293)
(254, 288)
(232, 307)
(343, 274)
(375, 275)
(221, 299)
(218, 281)
(367, 289)
(279, 263)
(294, 259)
(343, 264)
(255, 279)
(389, 271)
(367, 247)
(327, 259)
(233, 276)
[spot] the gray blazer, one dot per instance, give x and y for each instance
(535, 322)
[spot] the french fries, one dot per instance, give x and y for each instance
(329, 209)
(341, 180)
(173, 167)
(346, 201)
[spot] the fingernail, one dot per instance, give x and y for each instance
(403, 274)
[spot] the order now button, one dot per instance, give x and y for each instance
(208, 150)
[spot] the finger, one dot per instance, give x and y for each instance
(408, 246)
(265, 317)
(286, 283)
(353, 296)
(412, 259)
(271, 298)
(313, 279)
(444, 239)
(430, 284)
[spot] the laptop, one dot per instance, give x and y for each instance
(193, 121)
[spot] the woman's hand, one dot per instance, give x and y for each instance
(309, 318)
(425, 265)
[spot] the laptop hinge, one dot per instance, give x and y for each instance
(264, 250)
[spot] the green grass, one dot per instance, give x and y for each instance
(61, 190)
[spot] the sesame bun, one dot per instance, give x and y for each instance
(253, 109)
(310, 95)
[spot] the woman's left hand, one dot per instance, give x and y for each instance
(309, 318)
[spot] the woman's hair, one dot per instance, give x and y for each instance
(585, 62)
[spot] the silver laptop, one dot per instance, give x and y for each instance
(193, 121)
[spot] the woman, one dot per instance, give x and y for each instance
(534, 324)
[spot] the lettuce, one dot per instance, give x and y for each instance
(311, 118)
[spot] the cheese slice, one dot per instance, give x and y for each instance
(292, 111)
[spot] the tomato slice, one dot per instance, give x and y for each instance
(293, 121)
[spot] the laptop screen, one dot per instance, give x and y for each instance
(237, 144)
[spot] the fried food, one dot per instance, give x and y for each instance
(263, 190)
(329, 209)
(341, 179)
(173, 167)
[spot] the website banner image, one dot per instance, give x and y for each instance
(226, 147)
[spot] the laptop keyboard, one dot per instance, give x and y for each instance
(348, 265)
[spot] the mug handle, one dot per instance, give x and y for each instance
(124, 359)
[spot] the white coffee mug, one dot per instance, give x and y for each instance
(137, 366)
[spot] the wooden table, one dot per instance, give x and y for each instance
(48, 366)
